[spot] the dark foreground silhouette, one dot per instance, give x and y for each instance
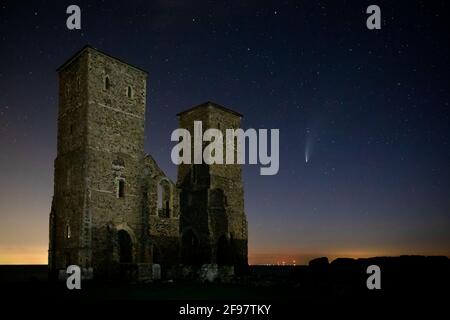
(401, 277)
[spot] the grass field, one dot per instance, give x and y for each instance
(401, 276)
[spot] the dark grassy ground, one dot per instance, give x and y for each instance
(409, 276)
(24, 280)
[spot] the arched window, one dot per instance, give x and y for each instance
(107, 83)
(68, 232)
(164, 194)
(129, 92)
(121, 188)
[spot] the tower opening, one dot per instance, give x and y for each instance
(190, 248)
(223, 252)
(107, 83)
(125, 247)
(121, 189)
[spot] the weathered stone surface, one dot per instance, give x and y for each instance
(209, 272)
(214, 272)
(156, 271)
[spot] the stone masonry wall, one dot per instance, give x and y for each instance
(115, 150)
(69, 166)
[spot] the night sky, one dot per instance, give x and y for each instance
(369, 108)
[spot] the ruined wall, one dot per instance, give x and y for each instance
(163, 225)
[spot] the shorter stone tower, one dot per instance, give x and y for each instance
(213, 224)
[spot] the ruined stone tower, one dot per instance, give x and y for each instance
(213, 224)
(97, 201)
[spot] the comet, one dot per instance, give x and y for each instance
(308, 146)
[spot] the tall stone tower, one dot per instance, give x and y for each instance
(213, 224)
(96, 218)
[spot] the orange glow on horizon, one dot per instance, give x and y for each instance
(23, 255)
(39, 255)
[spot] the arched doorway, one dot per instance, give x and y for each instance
(223, 251)
(125, 247)
(190, 248)
(155, 255)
